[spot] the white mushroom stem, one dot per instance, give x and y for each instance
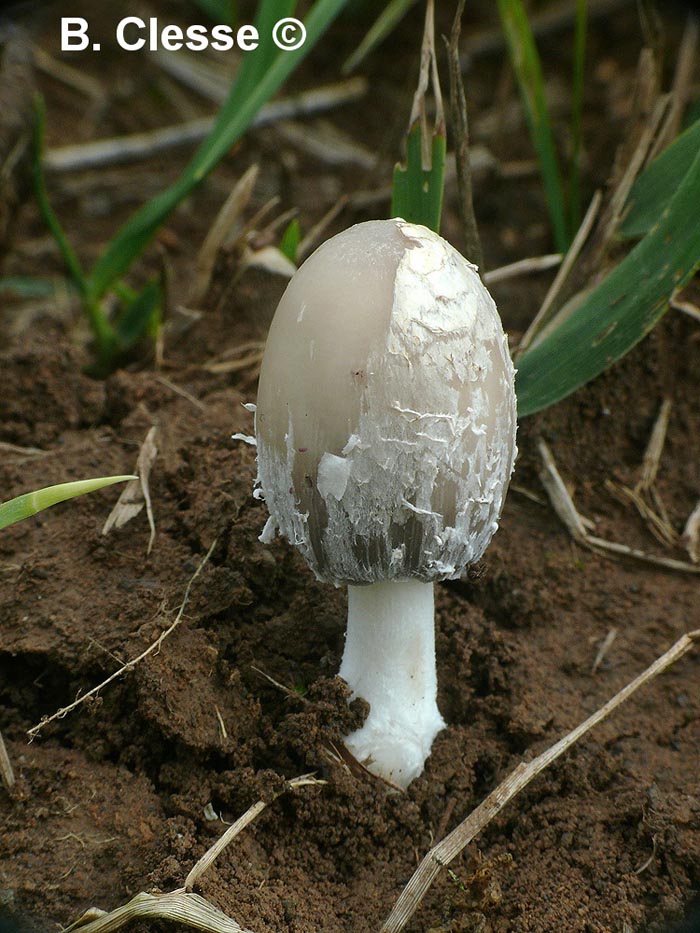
(389, 660)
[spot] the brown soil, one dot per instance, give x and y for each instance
(110, 800)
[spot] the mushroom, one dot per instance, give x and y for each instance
(385, 429)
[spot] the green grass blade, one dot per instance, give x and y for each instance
(528, 72)
(32, 502)
(386, 22)
(658, 182)
(621, 310)
(417, 194)
(234, 118)
(98, 322)
(138, 317)
(52, 222)
(256, 63)
(291, 238)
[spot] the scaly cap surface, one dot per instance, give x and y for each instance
(386, 410)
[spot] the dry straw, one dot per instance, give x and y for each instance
(449, 848)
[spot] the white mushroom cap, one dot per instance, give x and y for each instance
(386, 410)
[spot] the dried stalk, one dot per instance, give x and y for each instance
(460, 128)
(325, 142)
(25, 452)
(450, 847)
(588, 253)
(686, 307)
(522, 267)
(686, 62)
(308, 243)
(178, 906)
(224, 364)
(155, 646)
(182, 905)
(196, 74)
(183, 393)
(6, 772)
(427, 75)
(544, 315)
(71, 77)
(645, 497)
(550, 477)
(564, 506)
(144, 145)
(137, 493)
(657, 524)
(306, 780)
(655, 446)
(605, 548)
(616, 207)
(605, 646)
(229, 213)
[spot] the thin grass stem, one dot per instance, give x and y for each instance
(576, 113)
(528, 72)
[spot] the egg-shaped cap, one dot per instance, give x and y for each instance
(386, 410)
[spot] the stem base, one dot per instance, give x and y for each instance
(389, 660)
